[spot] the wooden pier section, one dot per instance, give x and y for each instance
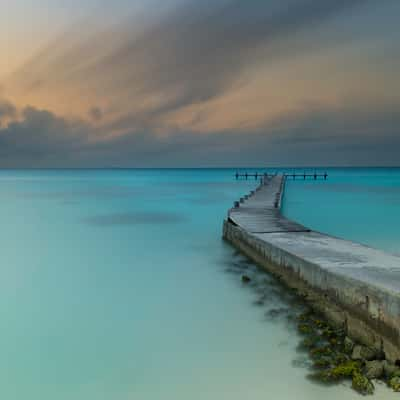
(355, 286)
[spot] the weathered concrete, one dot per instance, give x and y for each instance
(355, 286)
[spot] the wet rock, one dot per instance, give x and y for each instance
(310, 342)
(363, 353)
(341, 371)
(305, 316)
(320, 324)
(245, 279)
(356, 354)
(322, 362)
(394, 383)
(348, 345)
(305, 329)
(369, 354)
(340, 358)
(362, 384)
(374, 369)
(324, 351)
(390, 370)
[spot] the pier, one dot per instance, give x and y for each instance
(356, 287)
(264, 175)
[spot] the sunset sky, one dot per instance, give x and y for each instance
(198, 83)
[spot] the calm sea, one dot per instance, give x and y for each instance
(116, 285)
(360, 204)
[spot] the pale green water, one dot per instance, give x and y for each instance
(116, 285)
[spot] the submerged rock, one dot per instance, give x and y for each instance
(362, 384)
(305, 316)
(305, 329)
(245, 279)
(374, 369)
(310, 342)
(277, 313)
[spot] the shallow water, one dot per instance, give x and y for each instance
(116, 285)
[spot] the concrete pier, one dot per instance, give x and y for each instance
(356, 287)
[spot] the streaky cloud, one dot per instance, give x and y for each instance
(189, 55)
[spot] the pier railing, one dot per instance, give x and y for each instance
(295, 176)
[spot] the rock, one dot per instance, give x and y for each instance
(374, 369)
(322, 362)
(362, 384)
(323, 351)
(390, 370)
(245, 279)
(345, 370)
(305, 329)
(310, 342)
(340, 358)
(305, 316)
(363, 353)
(348, 345)
(356, 354)
(339, 372)
(394, 383)
(396, 372)
(369, 354)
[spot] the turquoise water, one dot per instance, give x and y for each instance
(360, 204)
(115, 284)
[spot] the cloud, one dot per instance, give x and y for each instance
(212, 83)
(318, 136)
(189, 55)
(39, 136)
(7, 110)
(96, 113)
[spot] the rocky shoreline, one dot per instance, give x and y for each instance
(335, 357)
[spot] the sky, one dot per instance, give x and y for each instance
(199, 83)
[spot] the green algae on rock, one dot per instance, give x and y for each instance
(394, 383)
(362, 384)
(331, 352)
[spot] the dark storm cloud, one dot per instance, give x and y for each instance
(40, 136)
(343, 136)
(7, 110)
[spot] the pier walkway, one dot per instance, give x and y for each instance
(363, 282)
